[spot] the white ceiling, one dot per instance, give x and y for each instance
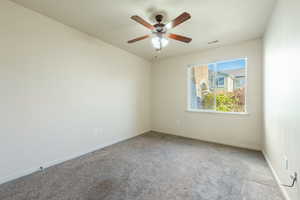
(225, 20)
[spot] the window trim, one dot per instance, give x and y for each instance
(188, 93)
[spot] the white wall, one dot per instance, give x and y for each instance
(282, 91)
(63, 93)
(169, 99)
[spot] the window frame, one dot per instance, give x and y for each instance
(188, 99)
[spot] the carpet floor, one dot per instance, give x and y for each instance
(152, 166)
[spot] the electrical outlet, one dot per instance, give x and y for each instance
(178, 123)
(286, 163)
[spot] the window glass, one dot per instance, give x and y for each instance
(218, 86)
(202, 87)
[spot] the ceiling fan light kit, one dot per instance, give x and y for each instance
(159, 30)
(159, 42)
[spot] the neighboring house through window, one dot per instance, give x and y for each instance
(239, 82)
(219, 86)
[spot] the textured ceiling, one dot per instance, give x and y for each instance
(225, 20)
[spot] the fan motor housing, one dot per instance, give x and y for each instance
(159, 27)
(159, 18)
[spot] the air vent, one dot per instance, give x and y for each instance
(213, 42)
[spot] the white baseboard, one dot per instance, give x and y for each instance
(26, 172)
(282, 189)
(242, 146)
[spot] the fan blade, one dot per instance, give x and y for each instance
(179, 38)
(178, 20)
(139, 38)
(142, 21)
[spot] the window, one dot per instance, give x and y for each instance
(220, 82)
(218, 87)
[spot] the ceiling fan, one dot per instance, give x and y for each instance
(159, 30)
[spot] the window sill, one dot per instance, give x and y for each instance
(216, 112)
